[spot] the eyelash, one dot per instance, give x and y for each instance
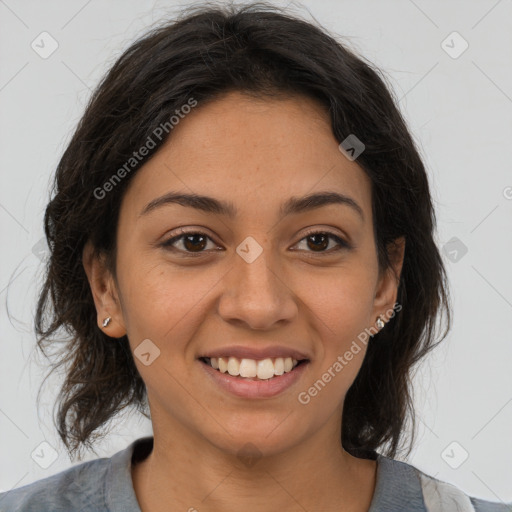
(169, 243)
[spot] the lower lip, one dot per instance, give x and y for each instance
(255, 388)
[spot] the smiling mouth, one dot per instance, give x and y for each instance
(253, 369)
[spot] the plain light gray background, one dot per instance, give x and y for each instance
(459, 108)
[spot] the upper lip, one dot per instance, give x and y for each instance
(242, 352)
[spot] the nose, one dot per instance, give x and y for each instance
(256, 294)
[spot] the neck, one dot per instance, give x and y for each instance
(190, 473)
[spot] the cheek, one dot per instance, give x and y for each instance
(343, 301)
(341, 314)
(164, 306)
(347, 314)
(162, 303)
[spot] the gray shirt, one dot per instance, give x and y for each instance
(106, 485)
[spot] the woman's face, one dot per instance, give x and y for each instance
(253, 276)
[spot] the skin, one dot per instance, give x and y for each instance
(256, 154)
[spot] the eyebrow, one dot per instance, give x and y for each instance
(294, 205)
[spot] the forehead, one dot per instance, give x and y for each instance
(251, 152)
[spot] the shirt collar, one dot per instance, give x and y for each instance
(397, 488)
(121, 494)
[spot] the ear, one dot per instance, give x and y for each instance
(104, 292)
(387, 287)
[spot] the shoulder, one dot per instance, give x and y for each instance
(439, 495)
(436, 495)
(80, 487)
(98, 485)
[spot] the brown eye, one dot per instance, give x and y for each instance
(196, 243)
(319, 242)
(192, 242)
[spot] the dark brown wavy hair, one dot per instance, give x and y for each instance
(266, 52)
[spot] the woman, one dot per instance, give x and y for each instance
(241, 238)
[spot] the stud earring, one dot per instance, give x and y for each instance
(380, 323)
(106, 321)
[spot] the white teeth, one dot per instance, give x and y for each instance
(265, 369)
(223, 365)
(233, 366)
(279, 366)
(250, 368)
